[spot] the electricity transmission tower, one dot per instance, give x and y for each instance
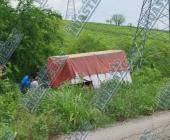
(71, 10)
(7, 48)
(154, 21)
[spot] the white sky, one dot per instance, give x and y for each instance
(129, 8)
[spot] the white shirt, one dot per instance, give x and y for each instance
(34, 84)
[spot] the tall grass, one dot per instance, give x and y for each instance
(64, 110)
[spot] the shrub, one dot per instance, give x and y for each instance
(41, 36)
(87, 43)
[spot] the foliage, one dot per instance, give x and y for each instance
(147, 74)
(86, 43)
(118, 19)
(106, 91)
(8, 103)
(138, 98)
(7, 19)
(157, 55)
(41, 39)
(109, 21)
(6, 133)
(41, 35)
(130, 102)
(63, 110)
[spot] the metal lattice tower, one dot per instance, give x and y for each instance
(71, 10)
(154, 19)
(7, 48)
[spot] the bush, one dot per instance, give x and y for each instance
(41, 36)
(87, 43)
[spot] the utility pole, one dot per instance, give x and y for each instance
(169, 19)
(155, 14)
(71, 10)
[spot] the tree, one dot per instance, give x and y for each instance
(118, 19)
(41, 39)
(130, 24)
(109, 21)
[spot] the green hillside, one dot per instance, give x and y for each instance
(114, 37)
(109, 35)
(119, 37)
(67, 108)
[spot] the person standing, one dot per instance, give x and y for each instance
(25, 84)
(34, 83)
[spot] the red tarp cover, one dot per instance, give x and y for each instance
(85, 64)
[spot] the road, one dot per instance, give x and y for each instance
(155, 127)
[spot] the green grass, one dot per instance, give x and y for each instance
(112, 37)
(65, 109)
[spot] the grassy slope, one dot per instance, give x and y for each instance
(113, 37)
(121, 37)
(109, 35)
(70, 106)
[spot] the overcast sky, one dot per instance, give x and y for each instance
(129, 8)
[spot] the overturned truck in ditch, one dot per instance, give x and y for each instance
(85, 68)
